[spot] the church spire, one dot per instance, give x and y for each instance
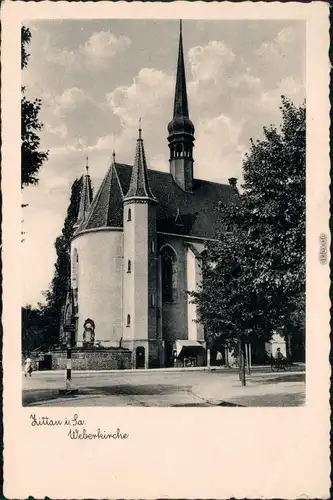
(85, 198)
(181, 128)
(139, 185)
(180, 108)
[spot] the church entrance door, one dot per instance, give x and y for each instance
(140, 357)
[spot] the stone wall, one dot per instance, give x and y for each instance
(119, 359)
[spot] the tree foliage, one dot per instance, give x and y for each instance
(35, 329)
(56, 296)
(43, 323)
(32, 157)
(60, 280)
(254, 275)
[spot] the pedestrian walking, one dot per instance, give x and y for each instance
(28, 367)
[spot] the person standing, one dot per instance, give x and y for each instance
(219, 358)
(28, 367)
(279, 356)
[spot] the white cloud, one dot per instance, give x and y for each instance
(289, 87)
(70, 99)
(209, 63)
(145, 97)
(246, 82)
(219, 149)
(278, 46)
(102, 46)
(94, 54)
(282, 56)
(58, 130)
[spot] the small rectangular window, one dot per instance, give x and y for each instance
(152, 300)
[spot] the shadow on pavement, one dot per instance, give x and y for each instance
(273, 400)
(140, 390)
(38, 395)
(223, 403)
(278, 379)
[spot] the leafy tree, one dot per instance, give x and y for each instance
(34, 329)
(32, 157)
(56, 296)
(40, 326)
(254, 275)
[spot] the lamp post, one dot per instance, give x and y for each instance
(69, 328)
(69, 360)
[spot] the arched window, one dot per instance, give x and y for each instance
(128, 320)
(179, 150)
(129, 215)
(75, 268)
(129, 266)
(169, 274)
(152, 300)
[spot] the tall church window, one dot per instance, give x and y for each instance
(75, 268)
(169, 274)
(129, 266)
(129, 215)
(128, 320)
(152, 300)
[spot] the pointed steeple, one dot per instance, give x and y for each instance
(181, 128)
(85, 199)
(180, 108)
(139, 186)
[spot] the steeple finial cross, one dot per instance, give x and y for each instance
(87, 165)
(114, 149)
(140, 130)
(180, 26)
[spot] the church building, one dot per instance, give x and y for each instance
(137, 247)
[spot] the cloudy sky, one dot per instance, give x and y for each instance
(97, 77)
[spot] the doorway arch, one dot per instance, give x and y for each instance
(140, 357)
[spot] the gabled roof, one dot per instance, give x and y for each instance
(177, 212)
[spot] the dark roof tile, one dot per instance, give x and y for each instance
(177, 211)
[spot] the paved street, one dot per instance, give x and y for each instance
(167, 388)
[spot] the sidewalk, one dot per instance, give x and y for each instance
(298, 367)
(288, 390)
(219, 389)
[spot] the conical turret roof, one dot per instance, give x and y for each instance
(85, 198)
(106, 208)
(139, 186)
